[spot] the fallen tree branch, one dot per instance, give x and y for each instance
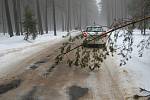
(138, 96)
(142, 96)
(124, 24)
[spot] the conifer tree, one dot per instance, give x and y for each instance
(29, 24)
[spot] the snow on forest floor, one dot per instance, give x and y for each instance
(19, 42)
(15, 49)
(135, 74)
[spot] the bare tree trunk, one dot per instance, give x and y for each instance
(66, 20)
(62, 16)
(108, 14)
(77, 17)
(141, 14)
(115, 10)
(10, 30)
(50, 26)
(86, 16)
(46, 21)
(68, 17)
(74, 18)
(19, 14)
(122, 9)
(112, 10)
(50, 17)
(125, 9)
(54, 18)
(16, 17)
(3, 20)
(39, 17)
(144, 22)
(80, 17)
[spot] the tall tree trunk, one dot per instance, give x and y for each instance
(77, 17)
(86, 16)
(68, 17)
(80, 17)
(144, 22)
(62, 16)
(50, 23)
(115, 10)
(3, 20)
(108, 14)
(46, 21)
(74, 18)
(19, 15)
(54, 18)
(39, 18)
(50, 17)
(112, 11)
(122, 9)
(10, 30)
(16, 17)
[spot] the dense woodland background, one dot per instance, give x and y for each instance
(67, 15)
(115, 10)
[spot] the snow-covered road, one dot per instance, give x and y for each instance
(111, 82)
(14, 50)
(101, 85)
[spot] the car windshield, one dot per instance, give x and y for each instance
(94, 29)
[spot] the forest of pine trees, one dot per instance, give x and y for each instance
(50, 15)
(115, 10)
(66, 15)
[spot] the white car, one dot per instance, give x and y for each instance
(92, 37)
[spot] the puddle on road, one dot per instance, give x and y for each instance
(75, 92)
(37, 64)
(41, 61)
(9, 86)
(33, 66)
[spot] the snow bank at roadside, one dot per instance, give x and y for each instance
(16, 49)
(18, 41)
(135, 74)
